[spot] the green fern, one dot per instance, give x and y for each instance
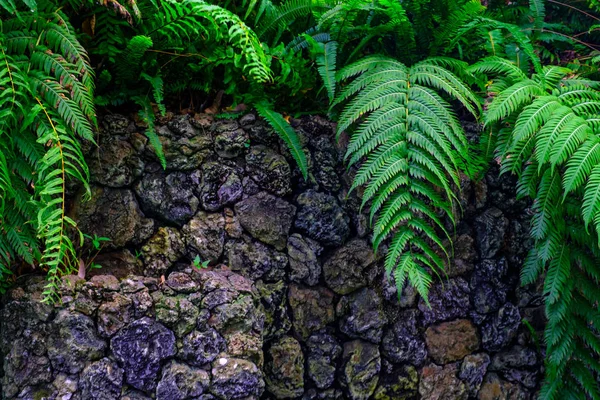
(46, 89)
(554, 148)
(409, 143)
(286, 133)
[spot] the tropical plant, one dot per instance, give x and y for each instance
(548, 133)
(46, 89)
(412, 144)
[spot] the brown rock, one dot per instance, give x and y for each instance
(494, 388)
(312, 309)
(451, 341)
(441, 383)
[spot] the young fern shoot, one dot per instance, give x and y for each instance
(410, 148)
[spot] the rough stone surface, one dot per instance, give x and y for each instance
(472, 371)
(441, 383)
(101, 380)
(255, 260)
(220, 185)
(234, 379)
(204, 235)
(360, 372)
(115, 162)
(115, 214)
(185, 146)
(201, 347)
(312, 309)
(323, 354)
(346, 270)
(162, 250)
(284, 370)
(180, 382)
(304, 263)
(361, 315)
(501, 329)
(399, 383)
(402, 342)
(292, 276)
(140, 349)
(495, 388)
(269, 170)
(451, 341)
(266, 218)
(168, 197)
(490, 227)
(321, 218)
(448, 300)
(73, 342)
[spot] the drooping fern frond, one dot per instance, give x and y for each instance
(408, 143)
(554, 148)
(283, 129)
(46, 92)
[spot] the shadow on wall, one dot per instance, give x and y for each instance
(302, 310)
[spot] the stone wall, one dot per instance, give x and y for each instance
(294, 304)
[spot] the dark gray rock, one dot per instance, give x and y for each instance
(325, 161)
(321, 218)
(234, 378)
(529, 379)
(361, 315)
(254, 260)
(185, 147)
(115, 124)
(240, 315)
(266, 218)
(284, 370)
(488, 291)
(161, 251)
(168, 197)
(347, 269)
(472, 370)
(176, 312)
(141, 348)
(499, 330)
(448, 299)
(204, 235)
(115, 214)
(312, 309)
(490, 228)
(304, 263)
(360, 371)
(230, 141)
(114, 315)
(201, 347)
(220, 185)
(22, 366)
(180, 382)
(515, 357)
(269, 170)
(73, 342)
(402, 343)
(132, 394)
(273, 297)
(115, 162)
(399, 383)
(101, 380)
(323, 353)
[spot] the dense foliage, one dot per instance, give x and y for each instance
(398, 77)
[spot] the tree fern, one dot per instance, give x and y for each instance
(409, 144)
(555, 150)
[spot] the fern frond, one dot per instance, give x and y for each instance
(407, 137)
(286, 133)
